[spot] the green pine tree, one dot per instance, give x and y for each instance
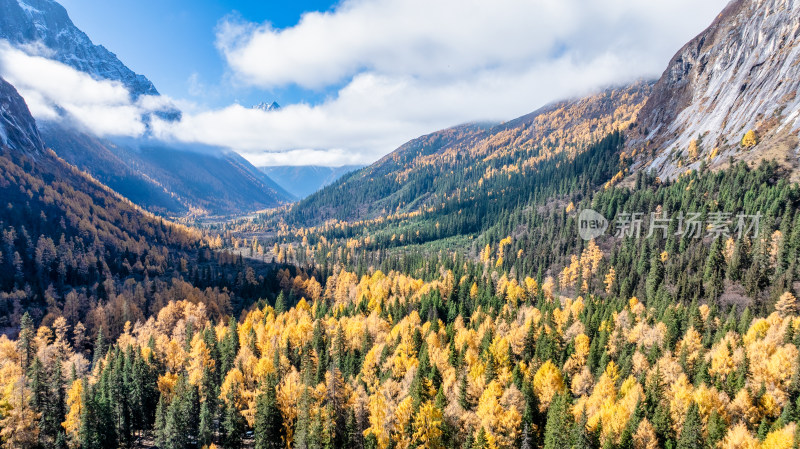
(557, 429)
(692, 433)
(268, 417)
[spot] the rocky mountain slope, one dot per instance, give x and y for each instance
(742, 73)
(17, 128)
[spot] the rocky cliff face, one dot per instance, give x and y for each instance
(17, 128)
(45, 27)
(742, 73)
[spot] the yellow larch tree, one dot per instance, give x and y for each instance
(287, 394)
(611, 276)
(738, 437)
(199, 360)
(750, 139)
(781, 438)
(72, 421)
(377, 420)
(19, 424)
(694, 150)
(547, 382)
(645, 436)
(502, 424)
(401, 421)
(427, 427)
(786, 305)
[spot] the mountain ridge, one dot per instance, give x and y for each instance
(36, 23)
(168, 181)
(462, 160)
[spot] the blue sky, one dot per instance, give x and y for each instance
(356, 78)
(169, 41)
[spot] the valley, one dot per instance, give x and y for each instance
(614, 270)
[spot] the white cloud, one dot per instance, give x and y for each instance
(55, 91)
(445, 39)
(374, 113)
(334, 157)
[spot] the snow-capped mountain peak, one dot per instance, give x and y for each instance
(267, 107)
(44, 27)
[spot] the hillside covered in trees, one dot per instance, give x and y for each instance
(526, 337)
(656, 342)
(469, 161)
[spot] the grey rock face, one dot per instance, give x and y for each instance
(741, 73)
(18, 129)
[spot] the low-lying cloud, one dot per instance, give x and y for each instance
(55, 91)
(404, 67)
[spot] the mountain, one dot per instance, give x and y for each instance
(267, 107)
(462, 304)
(164, 178)
(302, 181)
(472, 161)
(167, 180)
(65, 226)
(17, 128)
(691, 116)
(740, 74)
(72, 247)
(43, 26)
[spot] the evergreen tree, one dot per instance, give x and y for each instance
(717, 427)
(692, 432)
(654, 277)
(233, 426)
(268, 422)
(280, 303)
(582, 437)
(557, 429)
(205, 430)
(714, 270)
(25, 342)
(99, 347)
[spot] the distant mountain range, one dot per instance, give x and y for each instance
(169, 179)
(302, 181)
